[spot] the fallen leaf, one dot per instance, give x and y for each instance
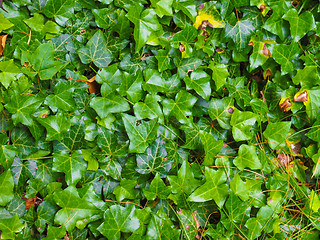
(93, 85)
(3, 40)
(30, 202)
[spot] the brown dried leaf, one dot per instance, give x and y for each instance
(30, 202)
(3, 40)
(302, 97)
(283, 159)
(285, 105)
(93, 85)
(265, 51)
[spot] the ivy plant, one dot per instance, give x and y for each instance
(159, 119)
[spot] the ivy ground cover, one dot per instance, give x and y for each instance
(159, 119)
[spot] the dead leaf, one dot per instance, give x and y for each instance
(266, 51)
(3, 40)
(93, 85)
(285, 106)
(30, 202)
(302, 97)
(283, 159)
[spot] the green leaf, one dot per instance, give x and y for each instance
(242, 123)
(4, 23)
(277, 25)
(247, 158)
(314, 132)
(164, 60)
(22, 106)
(149, 108)
(211, 147)
(240, 33)
(113, 103)
(218, 110)
(118, 219)
(110, 144)
(219, 74)
(284, 54)
(162, 7)
(259, 55)
(59, 9)
(73, 165)
(157, 189)
(314, 201)
(188, 7)
(214, 188)
(145, 22)
(74, 208)
(10, 226)
(239, 188)
(140, 135)
(36, 23)
(131, 86)
(62, 97)
(255, 227)
(307, 77)
(180, 107)
(277, 133)
(154, 82)
(96, 51)
(55, 232)
(299, 24)
(125, 190)
(200, 82)
(43, 63)
(154, 159)
(6, 188)
(184, 181)
(104, 17)
(55, 126)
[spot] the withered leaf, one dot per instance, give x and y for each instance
(302, 97)
(3, 39)
(285, 106)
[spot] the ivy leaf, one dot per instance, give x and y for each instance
(284, 54)
(209, 13)
(221, 110)
(131, 86)
(242, 123)
(240, 33)
(259, 55)
(247, 157)
(139, 135)
(277, 25)
(74, 208)
(10, 226)
(73, 165)
(146, 23)
(180, 107)
(104, 17)
(200, 82)
(162, 7)
(113, 103)
(299, 24)
(22, 106)
(214, 188)
(96, 51)
(6, 188)
(307, 77)
(154, 82)
(211, 147)
(219, 74)
(7, 152)
(62, 97)
(157, 189)
(4, 23)
(125, 190)
(277, 133)
(60, 10)
(43, 62)
(154, 159)
(118, 219)
(149, 108)
(314, 201)
(55, 126)
(239, 188)
(164, 60)
(188, 7)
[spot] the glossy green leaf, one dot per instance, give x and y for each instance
(157, 189)
(211, 147)
(200, 82)
(60, 9)
(118, 219)
(6, 187)
(221, 110)
(240, 33)
(277, 133)
(149, 109)
(213, 189)
(10, 226)
(125, 190)
(219, 74)
(242, 123)
(96, 51)
(162, 7)
(247, 158)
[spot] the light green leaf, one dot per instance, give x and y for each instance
(125, 190)
(164, 60)
(113, 103)
(118, 219)
(188, 7)
(299, 24)
(162, 7)
(277, 25)
(73, 165)
(242, 123)
(307, 77)
(284, 54)
(4, 23)
(200, 82)
(59, 9)
(247, 158)
(6, 188)
(277, 133)
(76, 209)
(10, 226)
(314, 201)
(36, 23)
(180, 107)
(96, 51)
(146, 23)
(219, 74)
(211, 147)
(149, 108)
(239, 188)
(131, 86)
(154, 82)
(214, 188)
(157, 189)
(139, 135)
